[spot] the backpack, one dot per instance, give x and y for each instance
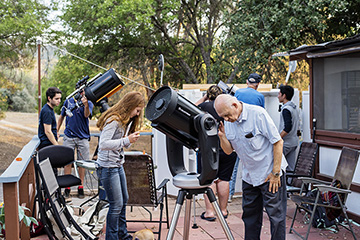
(320, 220)
(325, 217)
(331, 199)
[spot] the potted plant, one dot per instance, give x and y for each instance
(22, 217)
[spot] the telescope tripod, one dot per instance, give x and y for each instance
(189, 193)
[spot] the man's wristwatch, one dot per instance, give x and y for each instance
(277, 174)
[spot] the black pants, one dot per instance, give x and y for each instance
(254, 200)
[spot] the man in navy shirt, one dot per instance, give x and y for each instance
(47, 130)
(77, 135)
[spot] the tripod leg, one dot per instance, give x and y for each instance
(195, 226)
(175, 218)
(223, 223)
(187, 216)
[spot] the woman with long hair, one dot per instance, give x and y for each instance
(118, 126)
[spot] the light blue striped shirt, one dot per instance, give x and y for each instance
(256, 152)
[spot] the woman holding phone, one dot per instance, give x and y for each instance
(118, 127)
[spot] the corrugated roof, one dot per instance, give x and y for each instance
(336, 44)
(322, 47)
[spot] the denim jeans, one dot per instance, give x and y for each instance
(114, 183)
(233, 178)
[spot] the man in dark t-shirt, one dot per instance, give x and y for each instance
(47, 130)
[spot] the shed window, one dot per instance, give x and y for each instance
(336, 82)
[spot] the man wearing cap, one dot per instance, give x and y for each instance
(248, 95)
(250, 131)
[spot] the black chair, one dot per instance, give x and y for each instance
(304, 167)
(59, 157)
(143, 192)
(54, 213)
(344, 173)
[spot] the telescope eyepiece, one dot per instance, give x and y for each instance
(209, 123)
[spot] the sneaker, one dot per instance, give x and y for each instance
(67, 195)
(230, 198)
(81, 193)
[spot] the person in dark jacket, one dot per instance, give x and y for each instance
(226, 162)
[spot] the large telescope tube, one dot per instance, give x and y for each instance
(186, 125)
(104, 86)
(97, 90)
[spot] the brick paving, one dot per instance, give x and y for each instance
(213, 230)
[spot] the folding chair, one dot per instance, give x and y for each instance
(344, 173)
(60, 156)
(88, 165)
(143, 192)
(52, 205)
(304, 166)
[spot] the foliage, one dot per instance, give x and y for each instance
(21, 22)
(259, 29)
(130, 35)
(191, 34)
(203, 41)
(15, 92)
(111, 34)
(22, 217)
(7, 87)
(22, 101)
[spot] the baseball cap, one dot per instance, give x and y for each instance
(254, 78)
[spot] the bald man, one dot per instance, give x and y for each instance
(249, 130)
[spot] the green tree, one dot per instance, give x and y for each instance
(202, 41)
(21, 22)
(191, 35)
(259, 29)
(130, 35)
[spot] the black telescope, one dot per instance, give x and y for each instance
(184, 124)
(97, 89)
(104, 86)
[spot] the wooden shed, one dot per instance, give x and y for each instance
(335, 104)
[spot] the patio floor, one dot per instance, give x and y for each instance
(213, 230)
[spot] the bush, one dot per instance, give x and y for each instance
(3, 101)
(22, 101)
